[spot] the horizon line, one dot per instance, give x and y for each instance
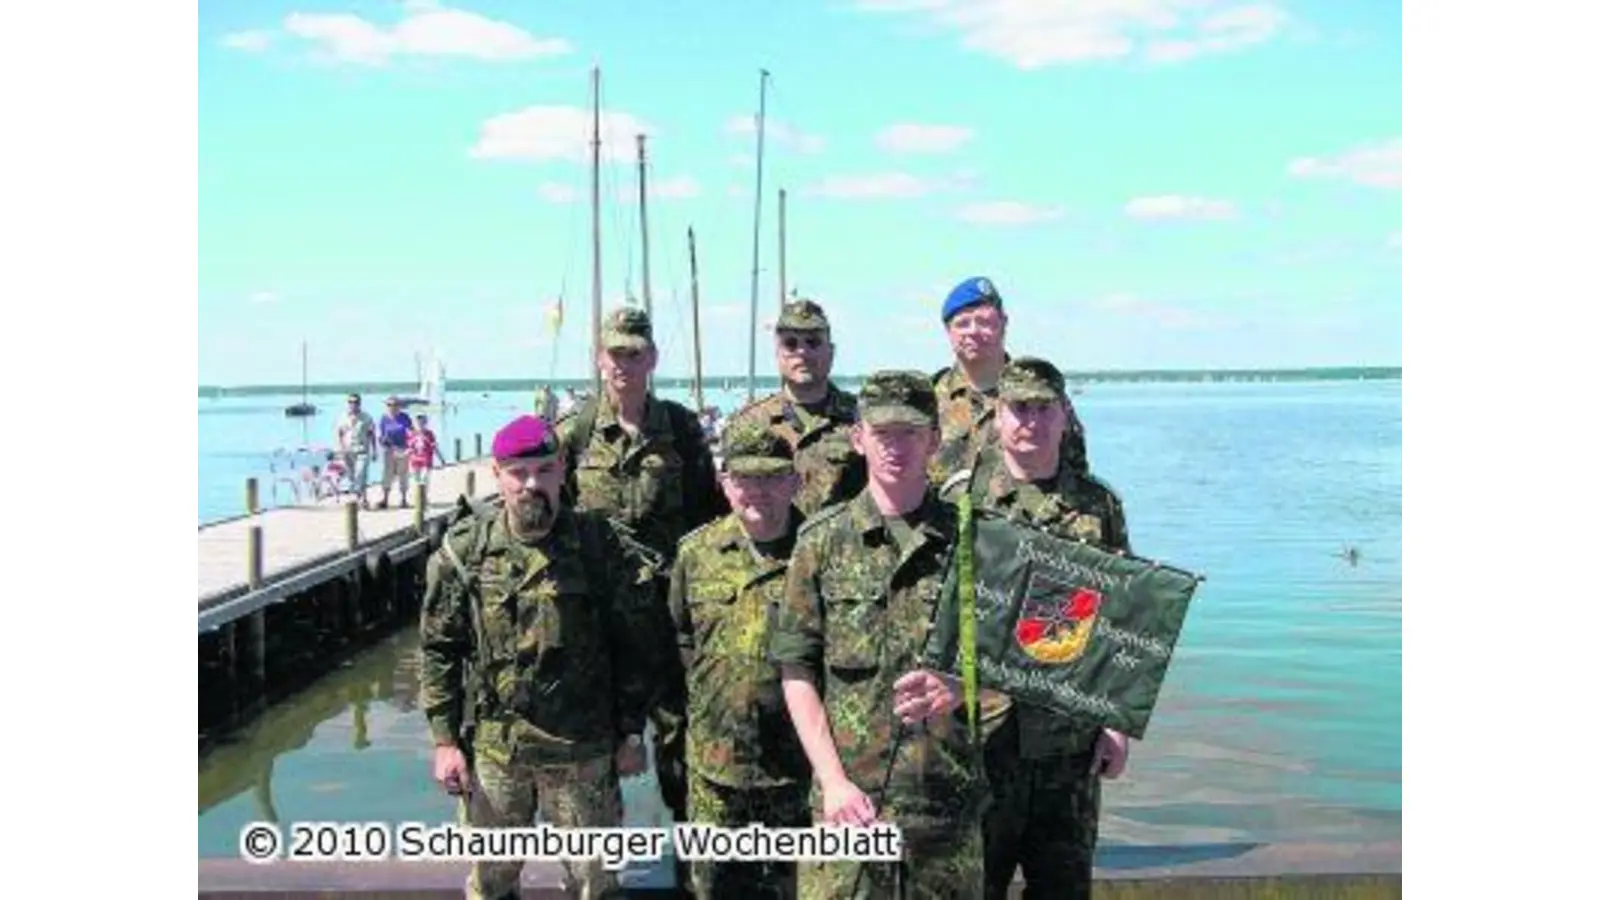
(515, 382)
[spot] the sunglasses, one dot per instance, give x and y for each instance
(792, 343)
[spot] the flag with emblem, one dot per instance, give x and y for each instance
(1061, 624)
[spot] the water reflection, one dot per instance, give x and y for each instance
(354, 746)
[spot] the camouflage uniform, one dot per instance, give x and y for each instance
(966, 414)
(966, 427)
(858, 605)
(561, 653)
(746, 765)
(830, 469)
(659, 485)
(1046, 802)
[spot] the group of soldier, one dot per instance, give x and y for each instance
(766, 617)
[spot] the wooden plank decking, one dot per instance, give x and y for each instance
(294, 537)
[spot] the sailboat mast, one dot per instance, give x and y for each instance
(694, 301)
(644, 230)
(783, 248)
(594, 214)
(305, 388)
(755, 253)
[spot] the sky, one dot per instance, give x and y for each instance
(1148, 183)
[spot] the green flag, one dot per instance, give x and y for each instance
(1061, 624)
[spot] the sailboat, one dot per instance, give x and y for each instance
(303, 408)
(697, 384)
(430, 387)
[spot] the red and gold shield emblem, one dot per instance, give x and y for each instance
(1057, 631)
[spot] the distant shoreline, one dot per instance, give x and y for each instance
(769, 382)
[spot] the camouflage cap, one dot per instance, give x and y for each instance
(627, 327)
(750, 449)
(802, 315)
(1027, 379)
(898, 397)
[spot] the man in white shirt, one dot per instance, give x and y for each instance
(357, 440)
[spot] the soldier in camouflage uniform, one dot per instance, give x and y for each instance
(810, 412)
(1044, 767)
(643, 462)
(975, 322)
(533, 628)
(862, 591)
(746, 765)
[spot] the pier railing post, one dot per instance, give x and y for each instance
(252, 495)
(352, 540)
(258, 619)
(458, 449)
(472, 484)
(477, 446)
(352, 525)
(419, 504)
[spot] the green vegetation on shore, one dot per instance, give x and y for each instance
(769, 382)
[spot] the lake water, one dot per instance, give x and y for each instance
(1280, 716)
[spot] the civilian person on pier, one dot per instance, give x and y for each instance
(356, 438)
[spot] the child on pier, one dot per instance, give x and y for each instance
(422, 446)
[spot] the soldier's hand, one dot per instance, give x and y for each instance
(1110, 754)
(630, 757)
(844, 804)
(923, 695)
(450, 770)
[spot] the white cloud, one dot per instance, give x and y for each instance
(553, 192)
(1033, 34)
(1174, 206)
(909, 137)
(559, 132)
(1222, 32)
(874, 186)
(781, 133)
(1008, 212)
(1373, 165)
(248, 41)
(426, 29)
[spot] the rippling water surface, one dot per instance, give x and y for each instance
(1280, 717)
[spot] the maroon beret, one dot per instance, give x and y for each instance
(524, 436)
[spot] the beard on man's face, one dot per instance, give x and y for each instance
(535, 510)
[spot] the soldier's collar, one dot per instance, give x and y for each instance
(654, 414)
(727, 534)
(958, 383)
(867, 518)
(834, 407)
(1004, 484)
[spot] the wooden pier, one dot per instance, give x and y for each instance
(286, 593)
(250, 561)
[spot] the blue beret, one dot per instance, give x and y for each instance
(973, 291)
